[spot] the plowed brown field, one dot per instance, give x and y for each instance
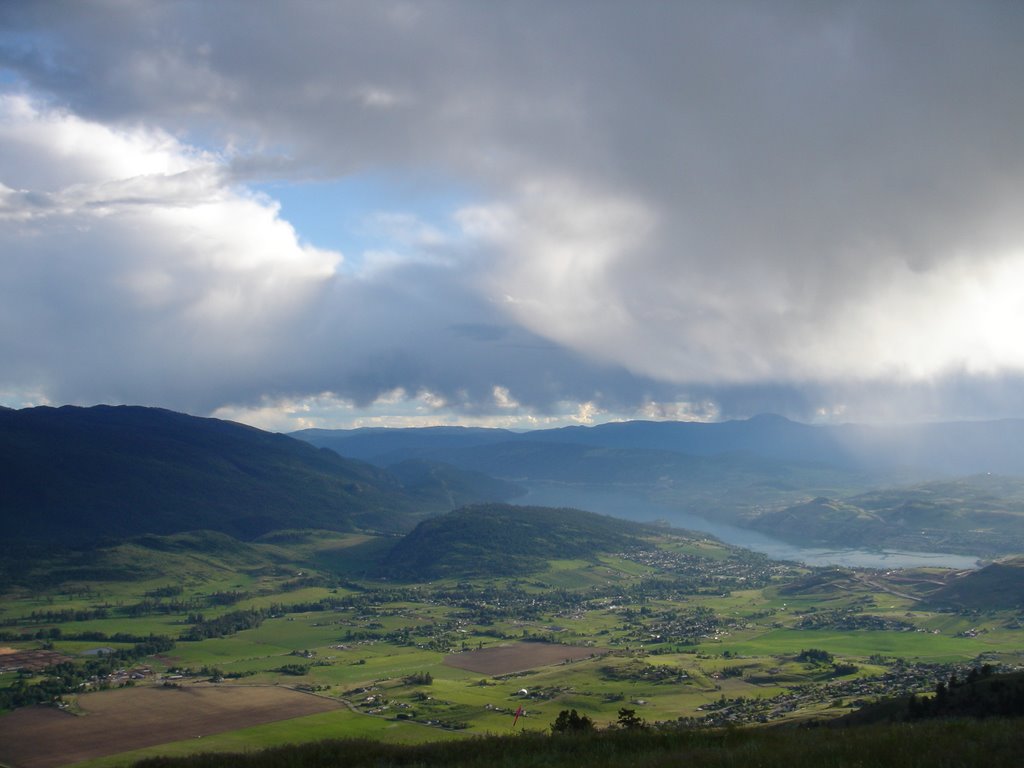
(518, 657)
(132, 718)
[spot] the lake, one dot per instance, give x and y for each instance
(633, 507)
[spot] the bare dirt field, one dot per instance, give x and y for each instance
(132, 718)
(33, 660)
(518, 657)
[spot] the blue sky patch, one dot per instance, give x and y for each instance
(349, 214)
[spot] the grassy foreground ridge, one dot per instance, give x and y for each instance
(940, 744)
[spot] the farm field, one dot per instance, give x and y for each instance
(274, 648)
(115, 721)
(518, 657)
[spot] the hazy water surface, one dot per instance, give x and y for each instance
(631, 507)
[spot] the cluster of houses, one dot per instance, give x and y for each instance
(898, 681)
(118, 678)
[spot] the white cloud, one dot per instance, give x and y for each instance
(380, 98)
(768, 208)
(328, 410)
(142, 281)
(47, 149)
(590, 270)
(504, 400)
(706, 410)
(558, 248)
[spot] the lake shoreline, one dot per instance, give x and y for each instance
(630, 507)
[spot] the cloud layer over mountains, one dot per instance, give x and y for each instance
(695, 210)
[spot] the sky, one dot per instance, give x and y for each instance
(518, 214)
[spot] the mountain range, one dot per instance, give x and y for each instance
(75, 475)
(953, 487)
(927, 449)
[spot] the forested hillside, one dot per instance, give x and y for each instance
(499, 539)
(71, 475)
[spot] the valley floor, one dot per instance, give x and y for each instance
(295, 640)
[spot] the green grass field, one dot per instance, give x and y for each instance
(695, 632)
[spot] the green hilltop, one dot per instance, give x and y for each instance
(994, 587)
(501, 539)
(981, 514)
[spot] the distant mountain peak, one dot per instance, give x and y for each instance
(770, 418)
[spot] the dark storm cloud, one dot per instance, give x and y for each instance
(810, 208)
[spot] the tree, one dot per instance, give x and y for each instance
(815, 656)
(629, 720)
(571, 721)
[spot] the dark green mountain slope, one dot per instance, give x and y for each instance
(69, 475)
(501, 539)
(384, 446)
(994, 587)
(450, 487)
(973, 515)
